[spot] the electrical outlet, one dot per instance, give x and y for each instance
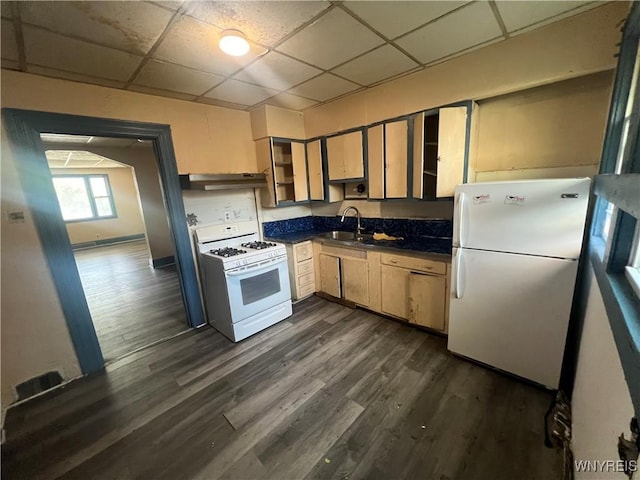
(227, 215)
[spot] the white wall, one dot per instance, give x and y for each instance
(601, 404)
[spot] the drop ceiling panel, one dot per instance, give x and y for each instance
(130, 26)
(262, 22)
(332, 40)
(167, 76)
(294, 102)
(384, 62)
(393, 19)
(171, 5)
(159, 92)
(324, 87)
(278, 71)
(9, 44)
(241, 93)
(444, 36)
(517, 15)
(194, 44)
(76, 77)
(48, 49)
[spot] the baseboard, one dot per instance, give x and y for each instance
(107, 241)
(162, 262)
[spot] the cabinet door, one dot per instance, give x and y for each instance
(335, 157)
(265, 164)
(353, 156)
(299, 160)
(418, 155)
(375, 159)
(330, 275)
(355, 280)
(395, 291)
(427, 300)
(452, 128)
(314, 161)
(344, 156)
(395, 151)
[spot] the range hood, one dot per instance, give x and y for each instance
(227, 181)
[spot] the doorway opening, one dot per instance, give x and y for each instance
(23, 128)
(111, 201)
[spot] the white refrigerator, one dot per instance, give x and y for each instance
(515, 258)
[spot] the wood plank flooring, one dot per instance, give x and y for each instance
(131, 304)
(330, 393)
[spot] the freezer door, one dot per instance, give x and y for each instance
(511, 311)
(535, 217)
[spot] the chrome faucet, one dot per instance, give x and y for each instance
(358, 227)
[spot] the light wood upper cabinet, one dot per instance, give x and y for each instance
(299, 166)
(314, 161)
(285, 166)
(439, 152)
(388, 162)
(318, 188)
(395, 152)
(375, 159)
(345, 156)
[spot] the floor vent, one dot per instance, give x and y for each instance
(39, 384)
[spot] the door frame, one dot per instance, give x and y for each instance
(23, 129)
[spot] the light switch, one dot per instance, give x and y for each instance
(16, 217)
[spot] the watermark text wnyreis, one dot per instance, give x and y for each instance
(606, 466)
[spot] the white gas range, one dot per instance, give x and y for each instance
(245, 282)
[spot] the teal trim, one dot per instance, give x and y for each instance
(24, 128)
(621, 302)
(623, 310)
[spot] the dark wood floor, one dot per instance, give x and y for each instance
(131, 304)
(331, 393)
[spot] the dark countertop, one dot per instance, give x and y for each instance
(424, 245)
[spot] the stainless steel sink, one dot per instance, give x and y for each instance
(345, 236)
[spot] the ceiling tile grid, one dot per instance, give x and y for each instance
(301, 52)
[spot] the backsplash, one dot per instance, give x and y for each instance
(398, 227)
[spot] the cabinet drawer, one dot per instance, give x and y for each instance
(305, 279)
(305, 267)
(303, 251)
(418, 264)
(306, 290)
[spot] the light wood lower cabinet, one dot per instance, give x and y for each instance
(343, 273)
(419, 289)
(427, 294)
(330, 281)
(301, 270)
(355, 280)
(411, 288)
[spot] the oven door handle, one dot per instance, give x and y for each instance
(236, 272)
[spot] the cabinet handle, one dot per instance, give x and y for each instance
(395, 262)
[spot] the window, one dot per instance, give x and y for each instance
(84, 197)
(615, 234)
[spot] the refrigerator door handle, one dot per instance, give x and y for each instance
(459, 289)
(459, 220)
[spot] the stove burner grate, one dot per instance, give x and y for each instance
(227, 252)
(258, 245)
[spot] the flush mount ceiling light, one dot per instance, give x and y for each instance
(234, 43)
